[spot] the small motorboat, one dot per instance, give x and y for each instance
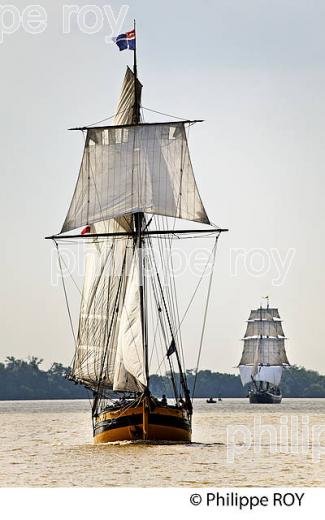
(211, 400)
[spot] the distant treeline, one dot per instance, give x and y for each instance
(296, 382)
(21, 379)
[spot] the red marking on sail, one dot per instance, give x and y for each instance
(85, 230)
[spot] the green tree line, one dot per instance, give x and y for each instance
(20, 379)
(24, 379)
(296, 382)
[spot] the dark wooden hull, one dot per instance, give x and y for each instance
(256, 397)
(159, 423)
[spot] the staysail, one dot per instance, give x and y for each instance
(264, 354)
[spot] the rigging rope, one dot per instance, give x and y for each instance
(108, 118)
(65, 293)
(205, 316)
(196, 289)
(164, 114)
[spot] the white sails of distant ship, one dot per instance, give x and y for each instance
(264, 355)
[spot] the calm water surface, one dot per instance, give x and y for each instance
(49, 443)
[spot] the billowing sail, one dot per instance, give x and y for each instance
(102, 300)
(129, 366)
(129, 169)
(270, 374)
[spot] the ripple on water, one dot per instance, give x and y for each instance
(49, 444)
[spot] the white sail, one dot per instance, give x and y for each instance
(264, 328)
(102, 297)
(135, 168)
(129, 366)
(105, 284)
(270, 351)
(271, 374)
(246, 373)
(126, 107)
(129, 373)
(264, 314)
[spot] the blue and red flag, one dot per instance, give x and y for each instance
(125, 41)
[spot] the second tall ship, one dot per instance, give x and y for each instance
(264, 356)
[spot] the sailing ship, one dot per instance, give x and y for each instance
(135, 183)
(264, 356)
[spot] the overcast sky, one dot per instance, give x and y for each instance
(254, 71)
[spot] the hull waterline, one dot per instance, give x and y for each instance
(264, 398)
(163, 423)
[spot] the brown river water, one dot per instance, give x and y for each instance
(49, 443)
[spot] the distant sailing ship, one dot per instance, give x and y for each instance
(135, 180)
(264, 355)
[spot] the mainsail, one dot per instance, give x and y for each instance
(141, 168)
(264, 354)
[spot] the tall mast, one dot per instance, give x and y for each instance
(136, 113)
(139, 224)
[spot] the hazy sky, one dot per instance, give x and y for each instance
(254, 71)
